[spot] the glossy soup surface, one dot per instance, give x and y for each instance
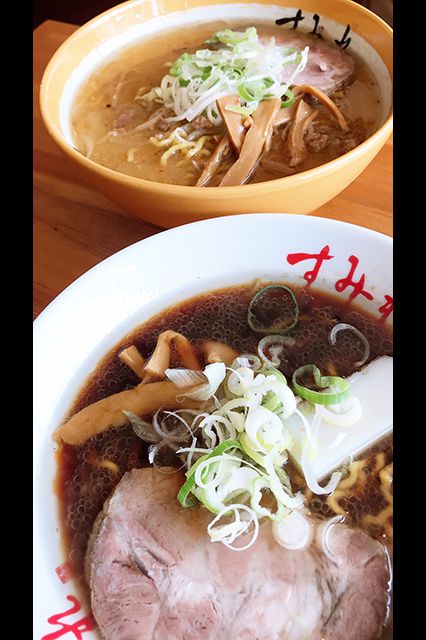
(107, 98)
(87, 474)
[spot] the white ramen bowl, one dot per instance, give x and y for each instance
(83, 323)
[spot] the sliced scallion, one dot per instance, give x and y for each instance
(190, 481)
(290, 99)
(338, 388)
(242, 63)
(342, 326)
(277, 301)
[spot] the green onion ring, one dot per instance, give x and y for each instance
(290, 99)
(277, 327)
(245, 94)
(190, 481)
(340, 385)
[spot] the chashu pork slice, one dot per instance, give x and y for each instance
(329, 66)
(155, 575)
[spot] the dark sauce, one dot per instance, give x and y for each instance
(87, 474)
(363, 501)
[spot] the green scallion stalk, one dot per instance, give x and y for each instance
(227, 36)
(245, 94)
(183, 496)
(338, 387)
(259, 304)
(290, 99)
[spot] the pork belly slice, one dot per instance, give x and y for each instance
(155, 575)
(329, 66)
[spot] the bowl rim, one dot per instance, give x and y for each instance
(49, 405)
(382, 133)
(153, 239)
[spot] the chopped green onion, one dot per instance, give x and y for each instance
(207, 71)
(190, 482)
(256, 438)
(272, 371)
(248, 448)
(244, 92)
(242, 63)
(289, 101)
(236, 483)
(339, 387)
(227, 36)
(263, 512)
(272, 401)
(268, 82)
(176, 68)
(257, 90)
(274, 298)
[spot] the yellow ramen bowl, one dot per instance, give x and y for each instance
(169, 205)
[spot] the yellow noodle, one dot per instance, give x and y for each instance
(380, 519)
(159, 143)
(198, 146)
(380, 461)
(355, 481)
(344, 485)
(354, 468)
(386, 488)
(387, 494)
(108, 464)
(386, 474)
(164, 142)
(171, 151)
(386, 477)
(180, 134)
(176, 142)
(188, 149)
(333, 502)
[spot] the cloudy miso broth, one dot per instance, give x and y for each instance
(113, 125)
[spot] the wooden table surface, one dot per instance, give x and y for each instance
(75, 227)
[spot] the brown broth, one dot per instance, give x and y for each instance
(363, 501)
(114, 86)
(87, 474)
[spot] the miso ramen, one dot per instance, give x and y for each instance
(226, 103)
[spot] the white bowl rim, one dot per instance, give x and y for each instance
(53, 313)
(181, 229)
